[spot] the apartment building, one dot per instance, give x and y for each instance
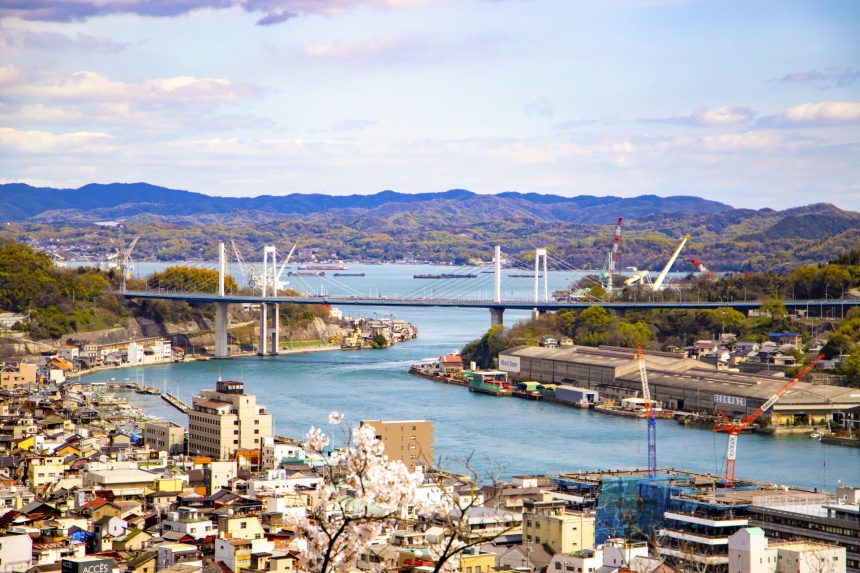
(226, 419)
(410, 441)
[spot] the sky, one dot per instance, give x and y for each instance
(754, 103)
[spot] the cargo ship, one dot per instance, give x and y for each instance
(446, 276)
(322, 268)
(492, 382)
(349, 274)
(306, 274)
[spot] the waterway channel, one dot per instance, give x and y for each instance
(500, 436)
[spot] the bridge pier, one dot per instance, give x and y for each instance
(222, 349)
(269, 335)
(497, 316)
(274, 331)
(264, 323)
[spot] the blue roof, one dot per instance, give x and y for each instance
(783, 333)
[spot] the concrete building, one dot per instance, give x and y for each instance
(18, 375)
(121, 481)
(278, 451)
(43, 471)
(561, 530)
(173, 554)
(164, 436)
(16, 553)
(410, 441)
(225, 420)
(751, 552)
(813, 517)
(188, 521)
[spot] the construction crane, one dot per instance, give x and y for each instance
(658, 284)
(611, 258)
(639, 277)
(650, 415)
(733, 429)
(704, 270)
(125, 265)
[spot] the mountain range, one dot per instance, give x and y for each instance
(454, 226)
(119, 200)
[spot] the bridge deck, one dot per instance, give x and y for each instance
(475, 303)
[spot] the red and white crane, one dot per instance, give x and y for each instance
(733, 429)
(704, 270)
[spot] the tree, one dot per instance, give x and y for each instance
(851, 368)
(365, 493)
(773, 307)
(379, 341)
(837, 344)
(189, 279)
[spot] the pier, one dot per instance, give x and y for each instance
(176, 402)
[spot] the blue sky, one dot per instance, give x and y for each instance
(753, 103)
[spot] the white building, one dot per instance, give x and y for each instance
(135, 353)
(614, 555)
(280, 482)
(188, 521)
(750, 552)
(277, 451)
(16, 553)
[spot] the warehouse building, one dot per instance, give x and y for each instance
(679, 383)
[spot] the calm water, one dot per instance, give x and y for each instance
(501, 436)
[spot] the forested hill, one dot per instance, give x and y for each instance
(453, 226)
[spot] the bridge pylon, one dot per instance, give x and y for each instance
(269, 335)
(222, 320)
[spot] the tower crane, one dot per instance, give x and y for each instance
(650, 415)
(704, 270)
(733, 429)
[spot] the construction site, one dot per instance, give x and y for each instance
(688, 517)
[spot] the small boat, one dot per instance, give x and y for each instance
(815, 435)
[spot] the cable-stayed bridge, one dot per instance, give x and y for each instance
(451, 290)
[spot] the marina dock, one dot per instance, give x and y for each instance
(176, 402)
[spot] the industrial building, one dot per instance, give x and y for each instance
(679, 383)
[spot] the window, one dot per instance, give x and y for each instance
(558, 564)
(243, 525)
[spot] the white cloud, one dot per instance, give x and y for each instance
(43, 141)
(8, 74)
(745, 141)
(718, 116)
(90, 86)
(816, 114)
(158, 104)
